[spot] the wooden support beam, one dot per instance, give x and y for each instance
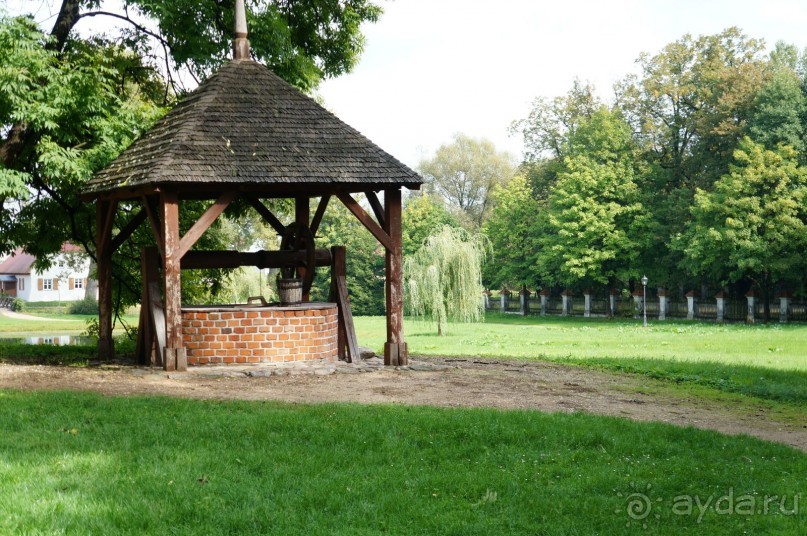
(375, 204)
(169, 202)
(320, 212)
(260, 259)
(149, 262)
(153, 213)
(302, 217)
(395, 351)
(353, 206)
(348, 347)
(267, 215)
(157, 319)
(127, 231)
(104, 213)
(204, 222)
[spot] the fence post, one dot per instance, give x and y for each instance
(690, 305)
(544, 298)
(612, 296)
(587, 303)
(784, 305)
(504, 296)
(486, 299)
(638, 303)
(721, 306)
(750, 316)
(524, 297)
(566, 297)
(662, 304)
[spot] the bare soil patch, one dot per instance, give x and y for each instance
(446, 382)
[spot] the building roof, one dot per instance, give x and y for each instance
(18, 264)
(245, 125)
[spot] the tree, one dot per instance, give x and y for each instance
(444, 278)
(514, 229)
(464, 173)
(778, 112)
(596, 227)
(70, 105)
(753, 223)
(422, 215)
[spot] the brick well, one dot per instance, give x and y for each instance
(240, 335)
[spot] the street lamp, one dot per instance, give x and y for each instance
(644, 300)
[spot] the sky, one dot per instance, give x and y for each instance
(433, 68)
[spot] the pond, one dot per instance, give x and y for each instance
(55, 340)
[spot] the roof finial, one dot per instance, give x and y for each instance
(240, 43)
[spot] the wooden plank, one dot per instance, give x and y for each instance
(354, 207)
(395, 352)
(375, 204)
(261, 259)
(171, 273)
(149, 261)
(346, 338)
(157, 318)
(130, 227)
(103, 229)
(267, 215)
(204, 222)
(320, 212)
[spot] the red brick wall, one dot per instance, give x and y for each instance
(263, 335)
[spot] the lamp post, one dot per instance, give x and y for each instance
(644, 301)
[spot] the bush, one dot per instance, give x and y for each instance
(87, 306)
(17, 305)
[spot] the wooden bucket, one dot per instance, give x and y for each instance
(290, 291)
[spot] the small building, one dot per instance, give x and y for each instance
(65, 280)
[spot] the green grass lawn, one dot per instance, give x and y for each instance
(75, 463)
(52, 324)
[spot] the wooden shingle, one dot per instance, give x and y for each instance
(247, 126)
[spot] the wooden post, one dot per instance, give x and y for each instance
(104, 213)
(395, 352)
(149, 261)
(302, 216)
(171, 272)
(348, 348)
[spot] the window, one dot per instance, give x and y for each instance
(78, 283)
(47, 284)
(61, 263)
(21, 284)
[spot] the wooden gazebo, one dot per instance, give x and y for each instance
(245, 133)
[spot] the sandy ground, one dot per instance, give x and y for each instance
(435, 381)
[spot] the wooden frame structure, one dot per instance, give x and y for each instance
(244, 134)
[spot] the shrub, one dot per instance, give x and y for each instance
(17, 305)
(87, 306)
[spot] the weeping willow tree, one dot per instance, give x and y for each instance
(444, 278)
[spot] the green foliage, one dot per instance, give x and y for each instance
(422, 215)
(365, 261)
(444, 278)
(464, 173)
(87, 306)
(18, 305)
(754, 222)
(778, 112)
(514, 229)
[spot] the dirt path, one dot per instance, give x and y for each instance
(439, 382)
(21, 316)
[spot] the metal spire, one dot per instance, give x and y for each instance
(240, 43)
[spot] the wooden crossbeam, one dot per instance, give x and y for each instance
(375, 229)
(323, 204)
(154, 220)
(375, 204)
(267, 215)
(204, 222)
(127, 231)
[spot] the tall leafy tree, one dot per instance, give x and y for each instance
(464, 174)
(597, 226)
(514, 229)
(423, 214)
(753, 224)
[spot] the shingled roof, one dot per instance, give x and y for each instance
(246, 125)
